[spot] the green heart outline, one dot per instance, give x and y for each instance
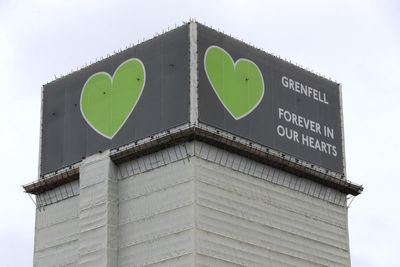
(112, 79)
(234, 68)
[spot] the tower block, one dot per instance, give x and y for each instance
(192, 149)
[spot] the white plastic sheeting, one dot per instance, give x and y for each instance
(156, 216)
(193, 205)
(98, 212)
(232, 161)
(57, 234)
(251, 222)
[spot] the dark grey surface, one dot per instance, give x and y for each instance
(164, 103)
(260, 125)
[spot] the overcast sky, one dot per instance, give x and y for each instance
(356, 43)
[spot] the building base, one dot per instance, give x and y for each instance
(191, 204)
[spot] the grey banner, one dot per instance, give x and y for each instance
(298, 113)
(164, 102)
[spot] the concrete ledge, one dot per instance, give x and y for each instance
(212, 136)
(52, 181)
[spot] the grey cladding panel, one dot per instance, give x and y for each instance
(261, 125)
(164, 103)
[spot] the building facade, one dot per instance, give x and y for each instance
(209, 187)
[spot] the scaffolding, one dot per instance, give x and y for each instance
(184, 133)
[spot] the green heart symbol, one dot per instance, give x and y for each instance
(239, 85)
(107, 102)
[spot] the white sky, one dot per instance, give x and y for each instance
(357, 43)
